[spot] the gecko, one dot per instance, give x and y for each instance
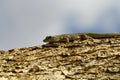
(79, 36)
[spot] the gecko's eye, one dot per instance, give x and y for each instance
(48, 37)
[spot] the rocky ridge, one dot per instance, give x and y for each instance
(89, 59)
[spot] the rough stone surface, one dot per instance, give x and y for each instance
(89, 59)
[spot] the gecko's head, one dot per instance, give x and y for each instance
(49, 39)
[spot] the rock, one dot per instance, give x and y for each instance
(88, 57)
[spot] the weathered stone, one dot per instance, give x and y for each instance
(88, 57)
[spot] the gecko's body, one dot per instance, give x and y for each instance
(78, 36)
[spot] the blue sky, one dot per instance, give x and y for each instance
(25, 23)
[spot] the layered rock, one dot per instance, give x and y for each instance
(88, 59)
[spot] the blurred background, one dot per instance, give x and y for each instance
(25, 23)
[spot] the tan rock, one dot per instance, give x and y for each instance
(87, 56)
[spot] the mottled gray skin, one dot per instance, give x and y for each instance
(78, 36)
(61, 38)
